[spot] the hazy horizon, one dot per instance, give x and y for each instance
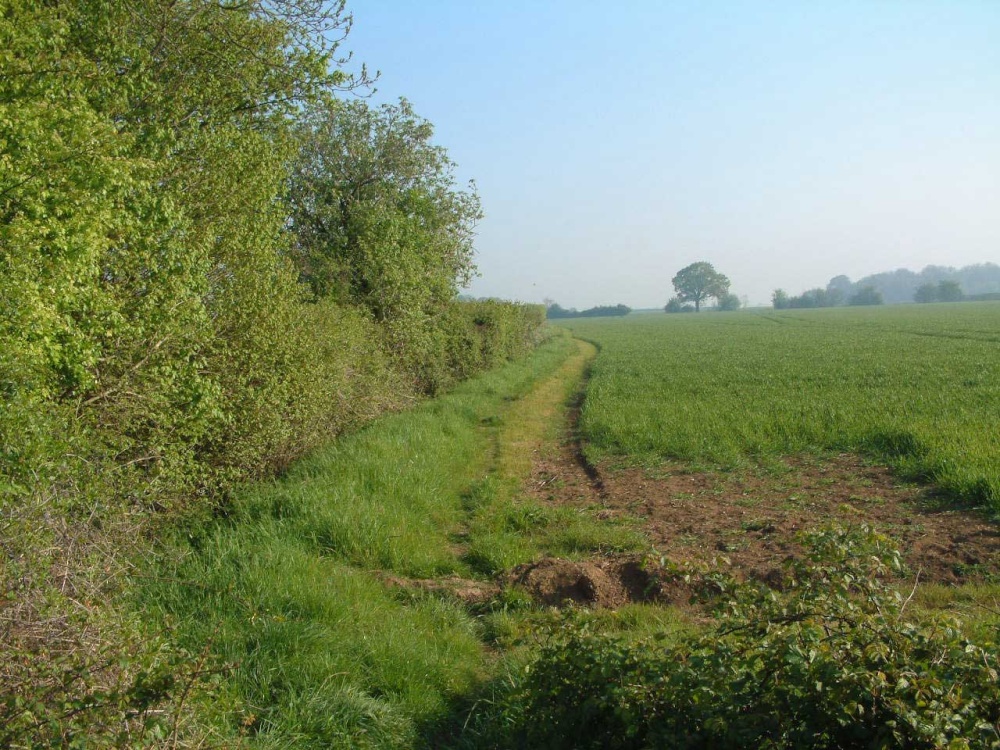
(785, 143)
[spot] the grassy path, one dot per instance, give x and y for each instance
(539, 416)
(290, 593)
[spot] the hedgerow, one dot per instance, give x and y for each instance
(158, 343)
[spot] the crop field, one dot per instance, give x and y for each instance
(917, 387)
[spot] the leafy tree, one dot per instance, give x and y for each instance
(729, 302)
(926, 293)
(779, 299)
(554, 310)
(817, 297)
(949, 291)
(699, 281)
(377, 216)
(866, 295)
(841, 286)
(377, 220)
(605, 311)
(676, 306)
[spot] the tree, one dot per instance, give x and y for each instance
(817, 297)
(697, 282)
(867, 295)
(780, 299)
(926, 293)
(377, 217)
(842, 287)
(729, 302)
(949, 291)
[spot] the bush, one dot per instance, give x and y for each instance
(471, 337)
(729, 302)
(675, 305)
(832, 663)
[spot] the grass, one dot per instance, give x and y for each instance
(915, 386)
(288, 595)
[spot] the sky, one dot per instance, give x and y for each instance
(786, 143)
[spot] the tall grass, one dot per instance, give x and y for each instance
(918, 387)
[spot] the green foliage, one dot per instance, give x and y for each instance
(554, 311)
(926, 293)
(777, 384)
(156, 345)
(125, 691)
(377, 217)
(698, 281)
(949, 291)
(469, 337)
(866, 295)
(901, 285)
(378, 221)
(675, 305)
(833, 662)
(729, 302)
(830, 297)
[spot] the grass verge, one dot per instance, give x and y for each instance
(287, 596)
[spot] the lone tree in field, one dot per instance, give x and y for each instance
(698, 282)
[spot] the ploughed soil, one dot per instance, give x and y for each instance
(749, 521)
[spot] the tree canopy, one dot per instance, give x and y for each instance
(377, 216)
(699, 281)
(866, 295)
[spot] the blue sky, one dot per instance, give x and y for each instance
(784, 142)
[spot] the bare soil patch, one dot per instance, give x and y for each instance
(753, 519)
(605, 582)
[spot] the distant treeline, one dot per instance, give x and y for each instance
(210, 262)
(932, 284)
(867, 295)
(553, 311)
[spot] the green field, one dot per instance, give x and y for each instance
(915, 386)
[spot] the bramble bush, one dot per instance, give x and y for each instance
(834, 661)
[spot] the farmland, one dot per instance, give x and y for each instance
(915, 387)
(631, 559)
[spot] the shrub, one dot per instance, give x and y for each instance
(832, 663)
(729, 302)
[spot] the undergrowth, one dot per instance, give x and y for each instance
(836, 661)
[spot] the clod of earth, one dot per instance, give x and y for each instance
(596, 583)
